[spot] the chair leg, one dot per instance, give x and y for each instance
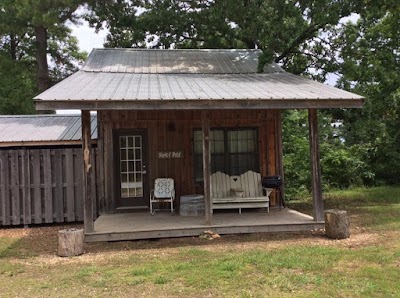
(151, 208)
(172, 207)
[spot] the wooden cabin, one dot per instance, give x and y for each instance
(186, 114)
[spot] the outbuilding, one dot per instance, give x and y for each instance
(185, 115)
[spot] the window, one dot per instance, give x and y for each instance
(233, 151)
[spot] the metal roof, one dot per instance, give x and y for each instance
(43, 128)
(176, 61)
(187, 79)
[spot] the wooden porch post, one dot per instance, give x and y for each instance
(318, 207)
(279, 158)
(88, 217)
(205, 125)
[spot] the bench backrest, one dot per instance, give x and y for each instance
(249, 182)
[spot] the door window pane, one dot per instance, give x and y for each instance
(131, 166)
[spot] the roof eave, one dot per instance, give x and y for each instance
(198, 104)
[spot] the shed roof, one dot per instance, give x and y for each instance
(187, 79)
(42, 129)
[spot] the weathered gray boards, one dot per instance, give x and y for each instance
(41, 186)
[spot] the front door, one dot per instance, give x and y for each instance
(132, 186)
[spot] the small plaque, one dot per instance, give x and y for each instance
(170, 154)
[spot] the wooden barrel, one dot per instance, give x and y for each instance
(191, 205)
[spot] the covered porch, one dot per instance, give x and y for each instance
(142, 225)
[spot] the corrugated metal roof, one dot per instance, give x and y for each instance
(176, 61)
(43, 128)
(123, 86)
(143, 77)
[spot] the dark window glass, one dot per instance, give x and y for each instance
(233, 151)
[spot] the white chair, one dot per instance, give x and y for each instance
(164, 191)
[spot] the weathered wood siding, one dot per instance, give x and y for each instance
(40, 186)
(173, 131)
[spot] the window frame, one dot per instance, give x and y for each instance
(227, 155)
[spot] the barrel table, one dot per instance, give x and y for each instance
(191, 205)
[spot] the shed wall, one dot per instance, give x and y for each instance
(41, 185)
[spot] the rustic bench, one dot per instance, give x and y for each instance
(237, 192)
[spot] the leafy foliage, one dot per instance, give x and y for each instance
(371, 67)
(30, 33)
(288, 32)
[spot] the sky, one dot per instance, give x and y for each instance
(88, 39)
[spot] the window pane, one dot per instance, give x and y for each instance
(234, 155)
(123, 167)
(138, 141)
(123, 142)
(130, 142)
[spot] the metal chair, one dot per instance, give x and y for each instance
(164, 191)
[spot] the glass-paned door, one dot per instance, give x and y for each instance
(132, 169)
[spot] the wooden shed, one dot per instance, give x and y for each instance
(41, 169)
(186, 114)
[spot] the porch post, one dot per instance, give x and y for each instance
(318, 207)
(205, 125)
(279, 159)
(88, 218)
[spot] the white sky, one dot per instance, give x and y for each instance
(88, 39)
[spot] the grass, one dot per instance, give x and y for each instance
(262, 265)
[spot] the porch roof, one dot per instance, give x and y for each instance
(187, 79)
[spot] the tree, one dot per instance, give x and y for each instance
(291, 33)
(370, 65)
(41, 17)
(31, 34)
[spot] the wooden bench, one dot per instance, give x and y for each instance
(237, 192)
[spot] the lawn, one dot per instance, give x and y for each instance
(257, 265)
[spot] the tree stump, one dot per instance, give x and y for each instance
(70, 242)
(337, 224)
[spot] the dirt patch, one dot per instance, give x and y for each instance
(42, 243)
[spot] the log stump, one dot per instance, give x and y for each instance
(337, 224)
(70, 242)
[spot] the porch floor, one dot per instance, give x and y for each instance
(142, 225)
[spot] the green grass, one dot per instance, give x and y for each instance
(291, 266)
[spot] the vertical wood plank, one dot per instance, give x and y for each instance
(16, 212)
(318, 208)
(26, 192)
(48, 186)
(88, 196)
(100, 162)
(108, 168)
(37, 188)
(206, 167)
(5, 187)
(271, 149)
(58, 191)
(78, 180)
(69, 173)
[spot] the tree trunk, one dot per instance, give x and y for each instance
(41, 58)
(337, 224)
(70, 242)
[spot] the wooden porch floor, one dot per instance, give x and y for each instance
(141, 225)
